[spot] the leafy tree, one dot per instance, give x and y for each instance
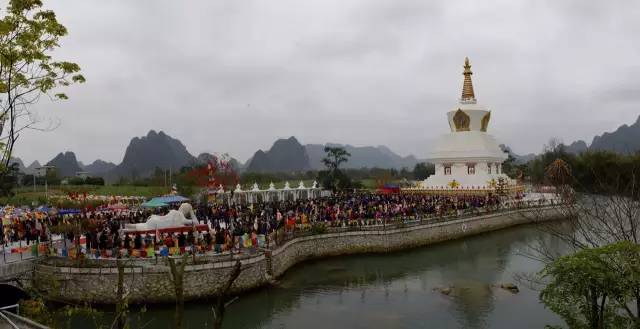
(594, 287)
(423, 170)
(404, 173)
(509, 165)
(333, 178)
(336, 180)
(598, 194)
(9, 180)
(335, 156)
(94, 181)
(28, 35)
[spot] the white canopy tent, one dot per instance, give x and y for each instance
(270, 194)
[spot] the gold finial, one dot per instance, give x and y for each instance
(467, 87)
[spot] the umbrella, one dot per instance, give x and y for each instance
(154, 203)
(68, 211)
(43, 209)
(170, 199)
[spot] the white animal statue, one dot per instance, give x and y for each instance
(175, 218)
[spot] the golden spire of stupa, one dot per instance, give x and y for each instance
(467, 86)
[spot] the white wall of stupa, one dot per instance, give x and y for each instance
(467, 157)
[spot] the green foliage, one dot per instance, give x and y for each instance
(8, 180)
(58, 317)
(86, 181)
(423, 170)
(319, 228)
(26, 196)
(334, 157)
(600, 172)
(514, 170)
(28, 35)
(333, 178)
(594, 287)
(336, 180)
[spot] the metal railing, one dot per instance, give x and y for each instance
(6, 318)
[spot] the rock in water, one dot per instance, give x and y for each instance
(510, 287)
(445, 291)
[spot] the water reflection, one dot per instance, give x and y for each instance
(393, 290)
(397, 290)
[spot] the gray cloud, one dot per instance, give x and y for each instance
(232, 76)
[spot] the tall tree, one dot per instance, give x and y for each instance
(423, 170)
(334, 157)
(28, 35)
(595, 288)
(333, 178)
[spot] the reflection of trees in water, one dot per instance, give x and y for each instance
(472, 301)
(547, 245)
(472, 271)
(471, 265)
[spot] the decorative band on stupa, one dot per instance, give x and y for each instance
(468, 96)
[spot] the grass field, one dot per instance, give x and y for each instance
(27, 196)
(129, 190)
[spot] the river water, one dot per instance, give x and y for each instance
(395, 290)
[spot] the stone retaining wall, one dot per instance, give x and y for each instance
(12, 271)
(146, 282)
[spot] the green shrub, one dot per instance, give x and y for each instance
(318, 228)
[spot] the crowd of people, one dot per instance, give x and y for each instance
(28, 230)
(235, 227)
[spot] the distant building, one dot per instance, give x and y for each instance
(82, 174)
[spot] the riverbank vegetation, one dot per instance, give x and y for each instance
(596, 282)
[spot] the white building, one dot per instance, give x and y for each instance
(467, 158)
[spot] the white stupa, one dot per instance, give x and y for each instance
(467, 157)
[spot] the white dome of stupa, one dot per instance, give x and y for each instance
(467, 156)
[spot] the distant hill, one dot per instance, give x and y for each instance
(625, 140)
(286, 155)
(99, 167)
(362, 157)
(32, 168)
(142, 156)
(576, 147)
(157, 149)
(146, 153)
(66, 164)
(18, 161)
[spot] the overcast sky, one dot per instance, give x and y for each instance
(233, 76)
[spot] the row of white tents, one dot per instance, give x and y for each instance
(257, 195)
